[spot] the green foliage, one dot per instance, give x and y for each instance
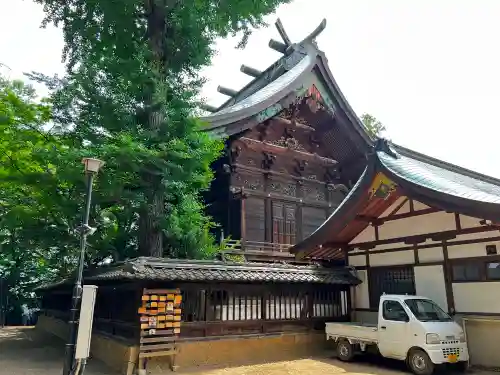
(129, 98)
(373, 126)
(31, 210)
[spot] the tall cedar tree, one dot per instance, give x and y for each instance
(132, 78)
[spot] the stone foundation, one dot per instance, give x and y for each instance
(483, 339)
(122, 356)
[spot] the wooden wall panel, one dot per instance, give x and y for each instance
(254, 219)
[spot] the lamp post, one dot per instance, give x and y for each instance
(92, 166)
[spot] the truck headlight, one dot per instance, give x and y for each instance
(432, 338)
(461, 337)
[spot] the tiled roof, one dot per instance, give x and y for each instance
(429, 174)
(433, 182)
(156, 269)
(266, 96)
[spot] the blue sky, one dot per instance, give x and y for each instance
(428, 69)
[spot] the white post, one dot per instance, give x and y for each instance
(85, 323)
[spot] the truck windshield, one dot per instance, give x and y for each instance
(426, 310)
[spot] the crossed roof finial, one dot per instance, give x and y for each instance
(287, 45)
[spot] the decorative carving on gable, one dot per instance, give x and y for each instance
(288, 140)
(332, 175)
(287, 188)
(314, 192)
(338, 187)
(291, 143)
(293, 115)
(300, 166)
(268, 161)
(251, 162)
(249, 182)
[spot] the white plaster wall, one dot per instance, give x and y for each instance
(429, 282)
(469, 221)
(357, 260)
(470, 250)
(403, 209)
(393, 258)
(419, 206)
(481, 297)
(367, 235)
(362, 298)
(435, 222)
(432, 254)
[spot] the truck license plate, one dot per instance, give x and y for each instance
(452, 358)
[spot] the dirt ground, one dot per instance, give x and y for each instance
(24, 352)
(313, 366)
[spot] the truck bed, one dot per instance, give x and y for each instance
(364, 332)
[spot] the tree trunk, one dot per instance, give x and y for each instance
(150, 233)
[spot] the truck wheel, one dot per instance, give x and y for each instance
(345, 351)
(420, 363)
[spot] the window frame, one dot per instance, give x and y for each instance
(374, 273)
(406, 319)
(481, 263)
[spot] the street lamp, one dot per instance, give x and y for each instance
(92, 166)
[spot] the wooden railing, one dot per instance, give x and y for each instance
(237, 246)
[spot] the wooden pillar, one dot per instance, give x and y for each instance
(268, 227)
(448, 279)
(243, 223)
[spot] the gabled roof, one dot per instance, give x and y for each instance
(285, 82)
(405, 173)
(160, 269)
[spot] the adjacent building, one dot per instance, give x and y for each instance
(417, 225)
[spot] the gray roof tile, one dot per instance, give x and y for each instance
(156, 269)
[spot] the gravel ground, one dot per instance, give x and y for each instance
(24, 352)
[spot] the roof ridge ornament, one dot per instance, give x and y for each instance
(382, 144)
(286, 47)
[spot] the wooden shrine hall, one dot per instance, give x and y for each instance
(324, 217)
(294, 148)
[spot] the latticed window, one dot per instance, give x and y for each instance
(393, 280)
(284, 229)
(285, 303)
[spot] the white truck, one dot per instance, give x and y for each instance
(410, 328)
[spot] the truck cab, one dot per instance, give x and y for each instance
(410, 328)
